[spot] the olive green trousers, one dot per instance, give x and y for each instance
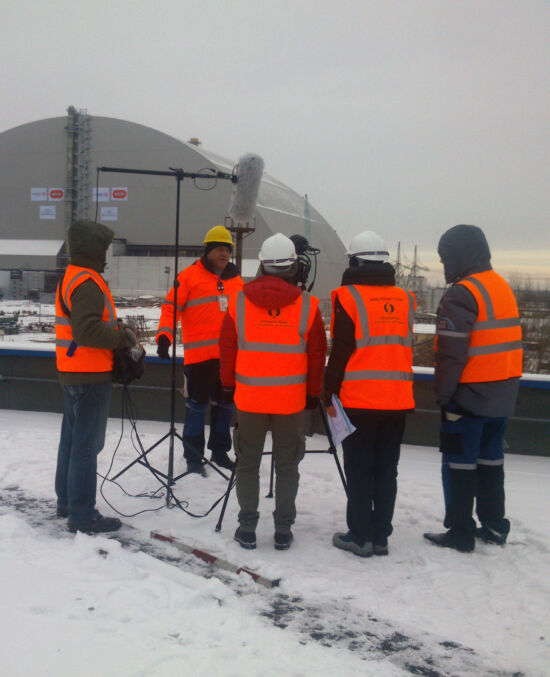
(288, 450)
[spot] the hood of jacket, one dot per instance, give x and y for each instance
(88, 243)
(463, 250)
(370, 272)
(269, 291)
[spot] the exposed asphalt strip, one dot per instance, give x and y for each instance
(331, 623)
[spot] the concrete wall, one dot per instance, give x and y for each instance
(28, 381)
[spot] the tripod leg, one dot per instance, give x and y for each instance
(332, 449)
(271, 477)
(224, 505)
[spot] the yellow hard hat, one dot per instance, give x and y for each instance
(218, 234)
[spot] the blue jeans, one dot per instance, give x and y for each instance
(203, 388)
(82, 438)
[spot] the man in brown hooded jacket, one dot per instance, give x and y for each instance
(87, 333)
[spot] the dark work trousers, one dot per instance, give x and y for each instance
(371, 455)
(82, 438)
(203, 387)
(288, 450)
(475, 470)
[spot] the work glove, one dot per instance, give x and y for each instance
(312, 402)
(163, 345)
(228, 395)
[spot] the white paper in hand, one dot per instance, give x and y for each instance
(340, 425)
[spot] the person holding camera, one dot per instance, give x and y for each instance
(204, 289)
(87, 333)
(370, 370)
(272, 356)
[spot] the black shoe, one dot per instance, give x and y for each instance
(380, 547)
(196, 467)
(347, 542)
(488, 535)
(98, 525)
(452, 539)
(246, 539)
(282, 541)
(222, 459)
(62, 511)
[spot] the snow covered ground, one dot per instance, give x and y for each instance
(83, 605)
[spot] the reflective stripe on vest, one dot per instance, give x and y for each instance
(199, 310)
(272, 347)
(386, 340)
(271, 375)
(70, 356)
(379, 373)
(495, 350)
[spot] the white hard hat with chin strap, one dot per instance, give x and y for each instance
(368, 246)
(278, 256)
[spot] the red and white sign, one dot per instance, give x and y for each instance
(119, 193)
(56, 194)
(39, 194)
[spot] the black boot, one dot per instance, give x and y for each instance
(222, 459)
(490, 504)
(97, 525)
(458, 517)
(458, 540)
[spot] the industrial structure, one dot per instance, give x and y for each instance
(49, 179)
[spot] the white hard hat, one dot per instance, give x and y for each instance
(368, 246)
(278, 250)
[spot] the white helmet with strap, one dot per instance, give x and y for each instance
(278, 251)
(368, 246)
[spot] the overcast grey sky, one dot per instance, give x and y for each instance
(405, 117)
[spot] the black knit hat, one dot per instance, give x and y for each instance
(212, 245)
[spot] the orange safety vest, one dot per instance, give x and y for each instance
(379, 372)
(70, 356)
(495, 352)
(202, 302)
(271, 366)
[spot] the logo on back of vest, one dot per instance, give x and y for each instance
(274, 312)
(389, 307)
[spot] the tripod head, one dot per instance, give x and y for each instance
(305, 252)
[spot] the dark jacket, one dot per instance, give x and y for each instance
(464, 250)
(269, 291)
(343, 343)
(88, 243)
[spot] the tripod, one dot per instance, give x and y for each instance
(168, 479)
(331, 450)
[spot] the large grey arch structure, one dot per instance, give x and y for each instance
(64, 152)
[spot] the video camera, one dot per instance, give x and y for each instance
(305, 251)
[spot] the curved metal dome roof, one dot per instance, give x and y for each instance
(38, 155)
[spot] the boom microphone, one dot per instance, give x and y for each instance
(248, 173)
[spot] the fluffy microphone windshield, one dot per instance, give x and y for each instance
(245, 192)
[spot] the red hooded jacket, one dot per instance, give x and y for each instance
(269, 291)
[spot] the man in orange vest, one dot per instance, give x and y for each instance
(272, 352)
(203, 295)
(478, 362)
(370, 370)
(87, 333)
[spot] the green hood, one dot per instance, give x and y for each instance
(88, 243)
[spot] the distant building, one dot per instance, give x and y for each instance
(48, 180)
